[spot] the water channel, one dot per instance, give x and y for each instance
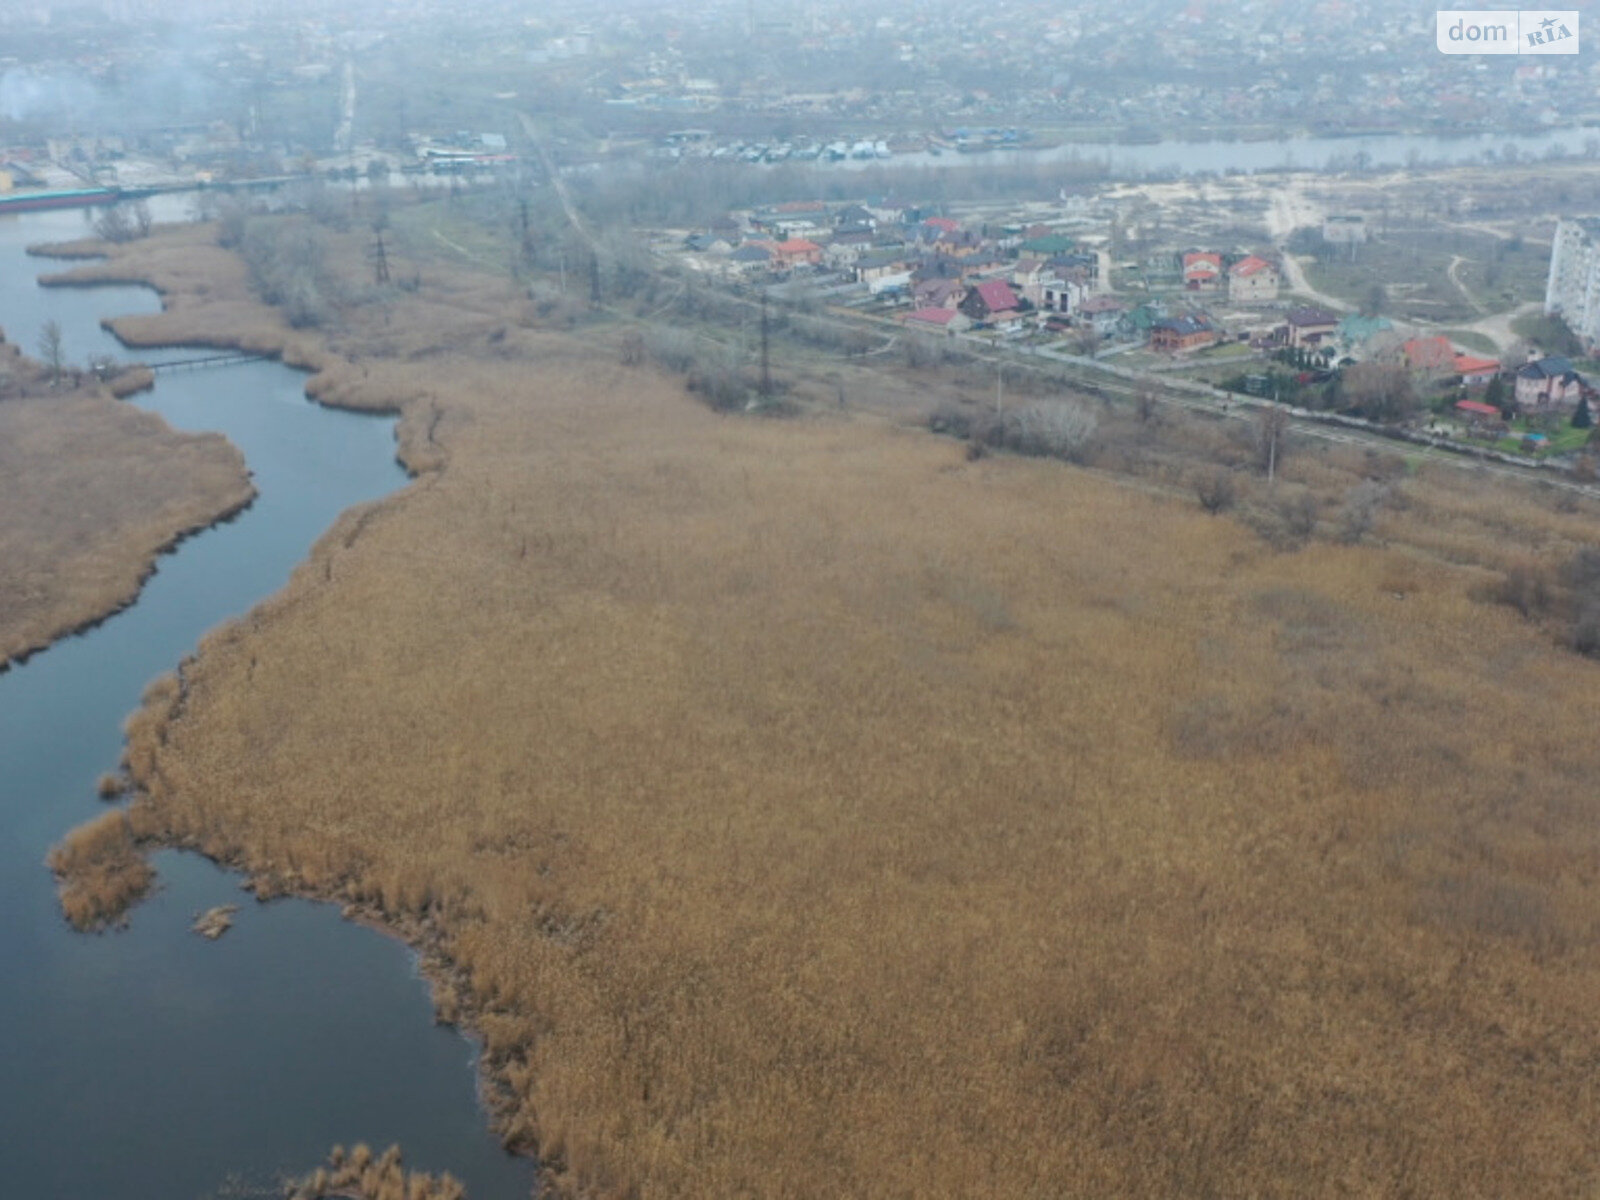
(1222, 156)
(150, 1064)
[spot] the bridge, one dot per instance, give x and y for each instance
(205, 361)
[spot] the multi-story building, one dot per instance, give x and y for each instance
(1572, 290)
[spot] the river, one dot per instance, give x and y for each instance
(1222, 156)
(150, 1064)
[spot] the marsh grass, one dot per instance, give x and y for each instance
(801, 809)
(357, 1175)
(92, 491)
(100, 871)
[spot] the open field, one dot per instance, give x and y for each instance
(92, 491)
(809, 808)
(1438, 274)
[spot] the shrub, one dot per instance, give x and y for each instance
(671, 348)
(1299, 514)
(1055, 430)
(1525, 586)
(720, 385)
(1360, 510)
(951, 419)
(1216, 491)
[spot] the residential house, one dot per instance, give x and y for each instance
(797, 252)
(707, 243)
(1478, 415)
(1063, 295)
(846, 249)
(853, 216)
(1083, 265)
(938, 292)
(752, 257)
(1202, 271)
(893, 281)
(1029, 277)
(1176, 335)
(1004, 237)
(794, 229)
(948, 321)
(1252, 280)
(1102, 313)
(963, 244)
(1139, 320)
(1548, 385)
(879, 264)
(1041, 283)
(1308, 327)
(1343, 229)
(993, 303)
(1048, 245)
(1476, 372)
(887, 213)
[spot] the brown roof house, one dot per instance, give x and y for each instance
(939, 292)
(1176, 335)
(1309, 327)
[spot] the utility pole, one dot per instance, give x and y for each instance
(999, 387)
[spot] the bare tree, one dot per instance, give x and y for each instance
(1382, 392)
(50, 349)
(1056, 429)
(114, 224)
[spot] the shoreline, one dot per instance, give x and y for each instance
(123, 603)
(119, 389)
(450, 996)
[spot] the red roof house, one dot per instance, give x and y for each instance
(1476, 413)
(796, 251)
(989, 301)
(948, 320)
(1476, 372)
(1202, 271)
(1252, 279)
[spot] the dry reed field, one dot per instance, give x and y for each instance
(359, 1175)
(804, 809)
(91, 490)
(101, 870)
